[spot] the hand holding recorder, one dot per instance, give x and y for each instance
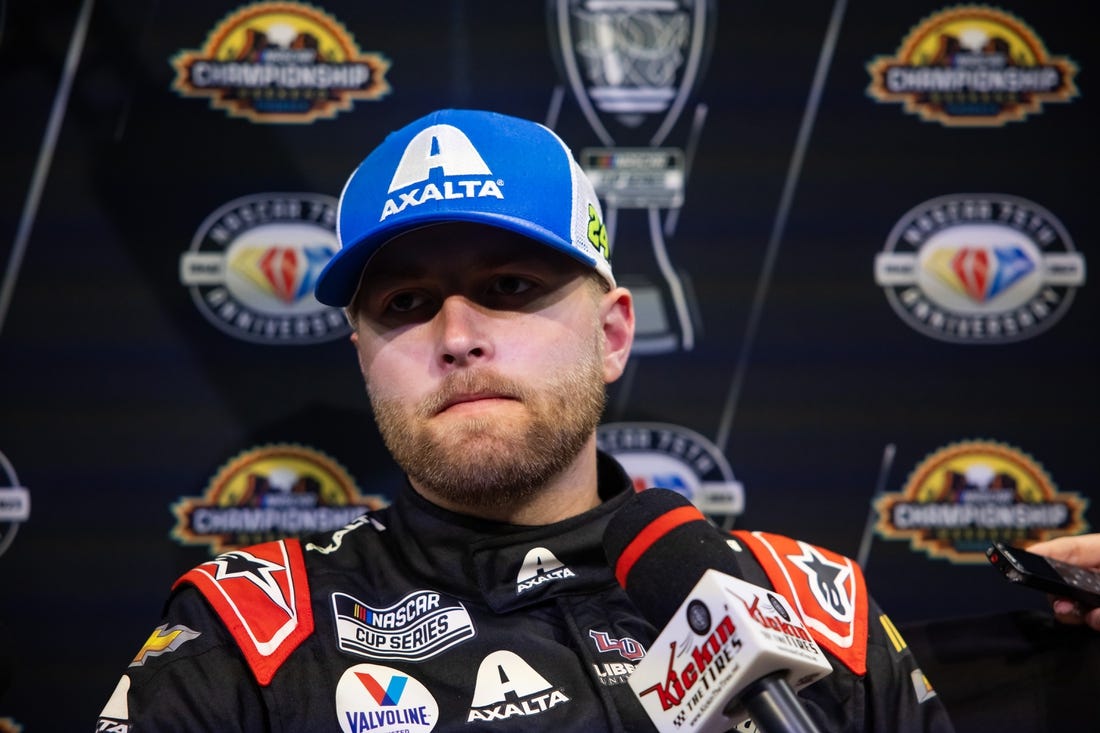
(1082, 551)
(1066, 568)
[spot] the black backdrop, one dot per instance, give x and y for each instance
(119, 398)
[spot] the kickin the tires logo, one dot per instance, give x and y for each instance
(253, 265)
(979, 268)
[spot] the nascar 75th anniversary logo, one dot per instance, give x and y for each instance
(280, 62)
(254, 262)
(979, 268)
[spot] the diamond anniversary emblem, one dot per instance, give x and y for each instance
(979, 268)
(253, 264)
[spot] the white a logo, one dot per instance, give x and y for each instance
(540, 566)
(439, 146)
(502, 672)
(508, 687)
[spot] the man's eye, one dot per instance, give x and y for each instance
(510, 285)
(405, 302)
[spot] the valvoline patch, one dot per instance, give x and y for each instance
(262, 596)
(826, 588)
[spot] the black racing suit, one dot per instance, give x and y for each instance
(415, 619)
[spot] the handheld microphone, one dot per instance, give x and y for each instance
(728, 649)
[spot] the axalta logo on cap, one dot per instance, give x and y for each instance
(446, 147)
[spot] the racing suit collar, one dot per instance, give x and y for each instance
(508, 566)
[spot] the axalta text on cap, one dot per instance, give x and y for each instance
(457, 165)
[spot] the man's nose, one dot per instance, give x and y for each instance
(463, 331)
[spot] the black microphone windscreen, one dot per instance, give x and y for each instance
(659, 545)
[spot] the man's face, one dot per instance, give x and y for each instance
(484, 358)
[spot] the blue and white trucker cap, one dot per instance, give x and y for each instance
(458, 165)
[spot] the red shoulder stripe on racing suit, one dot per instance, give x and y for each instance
(828, 590)
(262, 596)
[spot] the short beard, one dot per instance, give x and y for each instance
(492, 464)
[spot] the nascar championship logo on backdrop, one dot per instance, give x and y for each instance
(979, 268)
(268, 493)
(253, 265)
(281, 62)
(964, 496)
(974, 66)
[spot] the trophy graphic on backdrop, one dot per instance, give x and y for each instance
(632, 66)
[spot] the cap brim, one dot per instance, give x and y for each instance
(340, 279)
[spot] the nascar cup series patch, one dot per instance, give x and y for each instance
(968, 494)
(979, 268)
(419, 626)
(280, 62)
(253, 265)
(973, 66)
(271, 492)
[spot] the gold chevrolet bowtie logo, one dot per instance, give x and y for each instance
(162, 641)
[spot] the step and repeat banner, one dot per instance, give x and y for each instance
(858, 235)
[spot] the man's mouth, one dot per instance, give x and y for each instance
(472, 401)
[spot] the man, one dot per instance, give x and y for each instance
(487, 322)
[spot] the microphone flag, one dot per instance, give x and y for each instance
(726, 635)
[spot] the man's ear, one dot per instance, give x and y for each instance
(617, 318)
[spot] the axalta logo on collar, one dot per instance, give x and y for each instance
(540, 566)
(448, 148)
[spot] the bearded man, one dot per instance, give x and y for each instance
(487, 323)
